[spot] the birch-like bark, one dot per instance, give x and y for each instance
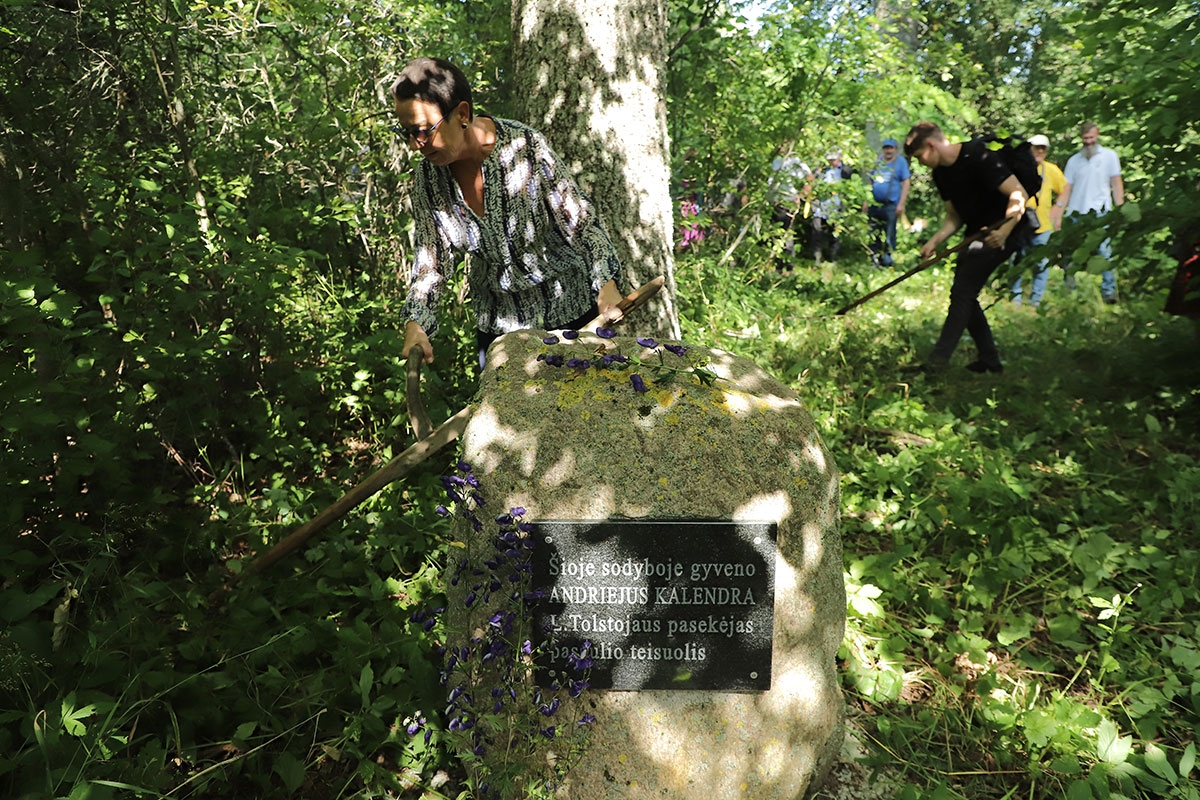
(590, 74)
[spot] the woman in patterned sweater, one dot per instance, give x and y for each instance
(494, 188)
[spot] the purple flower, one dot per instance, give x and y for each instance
(548, 732)
(647, 342)
(552, 339)
(527, 647)
(606, 333)
(639, 385)
(464, 466)
(578, 363)
(555, 360)
(443, 511)
(413, 727)
(608, 359)
(517, 511)
(677, 349)
(586, 719)
(570, 334)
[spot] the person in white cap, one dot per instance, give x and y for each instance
(824, 231)
(1053, 185)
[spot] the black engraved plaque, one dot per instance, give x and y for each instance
(666, 604)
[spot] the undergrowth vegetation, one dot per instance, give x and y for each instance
(205, 226)
(1021, 550)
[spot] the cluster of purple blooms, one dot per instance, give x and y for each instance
(691, 231)
(492, 662)
(606, 360)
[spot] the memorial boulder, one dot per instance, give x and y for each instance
(684, 517)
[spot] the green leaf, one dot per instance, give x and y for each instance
(366, 679)
(291, 770)
(1187, 760)
(244, 731)
(1152, 424)
(1067, 765)
(1079, 790)
(1156, 762)
(1131, 212)
(1063, 627)
(1040, 728)
(1015, 631)
(16, 605)
(1111, 747)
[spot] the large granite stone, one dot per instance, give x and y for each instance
(584, 445)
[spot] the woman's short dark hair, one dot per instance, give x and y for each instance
(918, 135)
(433, 80)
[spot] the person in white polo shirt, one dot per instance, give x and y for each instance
(1093, 185)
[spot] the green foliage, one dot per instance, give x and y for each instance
(1020, 552)
(202, 224)
(204, 229)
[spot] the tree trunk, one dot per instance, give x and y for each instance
(901, 20)
(590, 75)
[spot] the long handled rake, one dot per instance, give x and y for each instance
(430, 441)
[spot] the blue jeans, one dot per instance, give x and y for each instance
(1108, 278)
(1041, 273)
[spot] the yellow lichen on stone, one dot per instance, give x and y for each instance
(571, 392)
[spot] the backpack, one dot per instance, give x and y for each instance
(1018, 155)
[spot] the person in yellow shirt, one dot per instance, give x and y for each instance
(1053, 184)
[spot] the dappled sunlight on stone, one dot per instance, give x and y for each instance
(773, 506)
(491, 440)
(576, 443)
(559, 472)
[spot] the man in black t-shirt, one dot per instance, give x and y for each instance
(980, 191)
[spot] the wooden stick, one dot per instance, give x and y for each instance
(429, 442)
(395, 469)
(926, 264)
(421, 424)
(634, 300)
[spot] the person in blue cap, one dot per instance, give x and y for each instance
(890, 180)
